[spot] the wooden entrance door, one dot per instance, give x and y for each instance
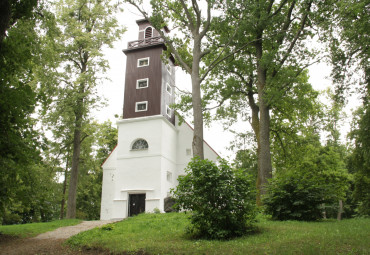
(137, 204)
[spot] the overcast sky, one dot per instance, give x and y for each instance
(218, 138)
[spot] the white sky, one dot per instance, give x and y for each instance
(217, 138)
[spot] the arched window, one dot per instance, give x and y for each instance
(148, 32)
(140, 144)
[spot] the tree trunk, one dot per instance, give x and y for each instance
(256, 129)
(197, 103)
(64, 190)
(72, 192)
(340, 210)
(264, 155)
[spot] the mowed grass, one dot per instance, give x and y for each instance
(33, 229)
(165, 234)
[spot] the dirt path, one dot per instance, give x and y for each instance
(49, 242)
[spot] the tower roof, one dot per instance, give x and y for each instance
(142, 21)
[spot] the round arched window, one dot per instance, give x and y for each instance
(140, 144)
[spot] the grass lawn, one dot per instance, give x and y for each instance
(164, 234)
(33, 229)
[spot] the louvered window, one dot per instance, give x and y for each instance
(148, 32)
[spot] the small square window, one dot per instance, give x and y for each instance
(141, 106)
(169, 68)
(168, 111)
(169, 89)
(143, 62)
(142, 83)
(188, 152)
(169, 176)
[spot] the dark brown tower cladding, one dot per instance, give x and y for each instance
(149, 83)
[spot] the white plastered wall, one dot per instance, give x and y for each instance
(129, 171)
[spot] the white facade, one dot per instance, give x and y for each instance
(152, 171)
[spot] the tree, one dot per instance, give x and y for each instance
(305, 190)
(94, 151)
(359, 160)
(19, 141)
(11, 11)
(269, 65)
(189, 48)
(85, 27)
(349, 46)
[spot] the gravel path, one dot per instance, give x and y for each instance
(67, 232)
(49, 242)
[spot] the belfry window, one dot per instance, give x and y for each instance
(148, 32)
(140, 144)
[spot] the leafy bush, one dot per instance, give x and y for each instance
(295, 196)
(300, 195)
(221, 199)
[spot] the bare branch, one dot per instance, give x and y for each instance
(183, 91)
(74, 61)
(188, 15)
(287, 86)
(303, 23)
(198, 13)
(286, 25)
(218, 59)
(270, 6)
(292, 44)
(280, 7)
(208, 22)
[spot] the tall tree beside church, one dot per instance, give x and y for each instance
(270, 63)
(19, 146)
(86, 26)
(189, 48)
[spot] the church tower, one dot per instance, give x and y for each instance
(153, 149)
(149, 83)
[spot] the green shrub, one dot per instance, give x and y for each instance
(108, 227)
(296, 195)
(221, 199)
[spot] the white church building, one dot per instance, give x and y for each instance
(153, 149)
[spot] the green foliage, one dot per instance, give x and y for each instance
(359, 160)
(96, 148)
(295, 196)
(349, 46)
(221, 199)
(35, 198)
(108, 227)
(163, 234)
(33, 229)
(156, 210)
(247, 160)
(302, 192)
(19, 148)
